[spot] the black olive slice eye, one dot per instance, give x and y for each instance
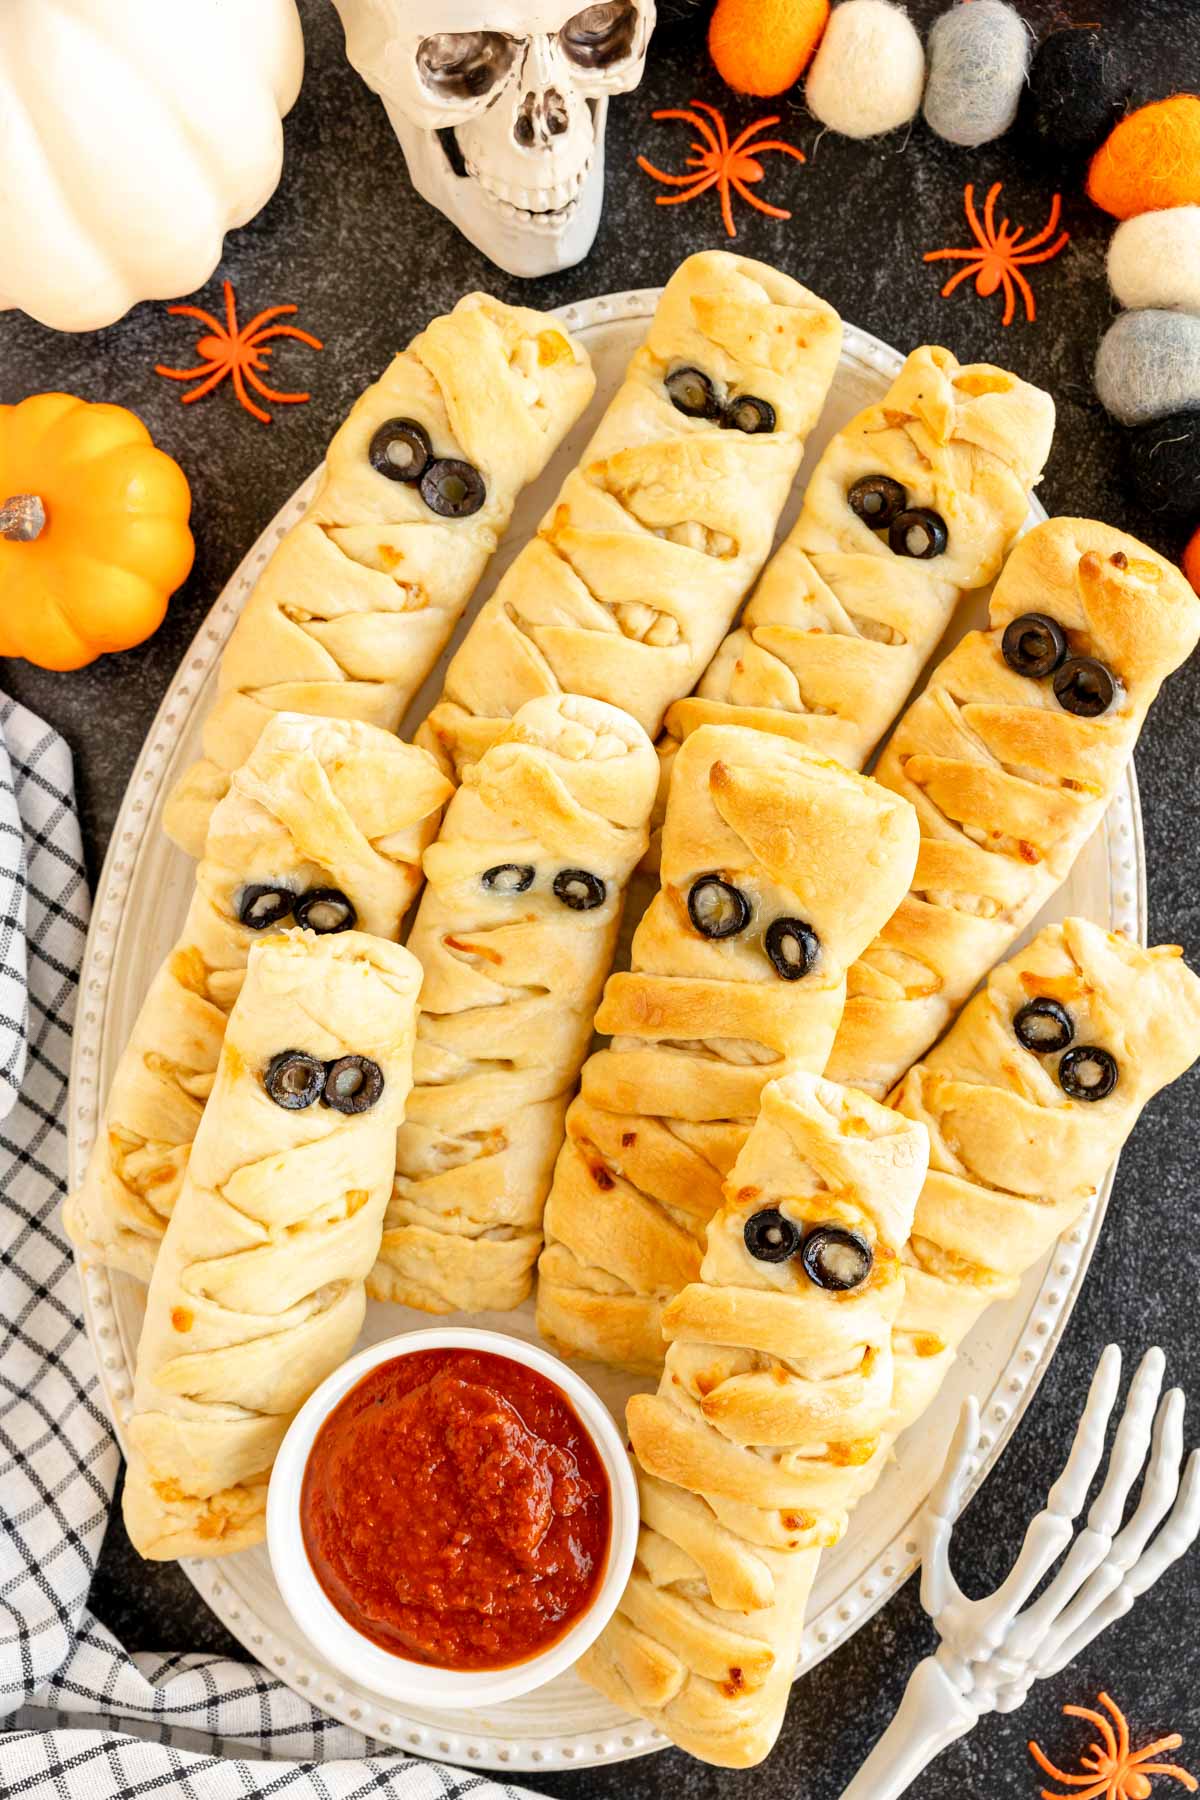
(400, 450)
(792, 947)
(579, 889)
(1044, 1026)
(453, 489)
(1087, 1073)
(716, 908)
(835, 1258)
(324, 910)
(260, 905)
(918, 532)
(691, 393)
(508, 878)
(1084, 687)
(746, 412)
(352, 1084)
(1034, 645)
(770, 1237)
(294, 1079)
(877, 500)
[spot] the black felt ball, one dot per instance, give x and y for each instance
(1077, 91)
(1164, 465)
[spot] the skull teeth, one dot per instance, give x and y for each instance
(549, 204)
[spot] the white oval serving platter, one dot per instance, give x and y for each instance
(139, 907)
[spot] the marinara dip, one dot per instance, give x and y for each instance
(455, 1510)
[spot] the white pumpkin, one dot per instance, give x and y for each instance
(133, 135)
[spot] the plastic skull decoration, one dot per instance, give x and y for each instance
(500, 112)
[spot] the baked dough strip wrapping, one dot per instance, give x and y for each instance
(320, 803)
(515, 932)
(258, 1292)
(638, 568)
(840, 626)
(765, 1428)
(1014, 1159)
(359, 599)
(700, 1025)
(1008, 785)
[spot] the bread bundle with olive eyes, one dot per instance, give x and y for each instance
(911, 506)
(515, 932)
(258, 1293)
(1028, 1100)
(766, 1425)
(776, 870)
(638, 568)
(322, 827)
(1011, 756)
(359, 599)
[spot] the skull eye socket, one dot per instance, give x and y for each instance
(462, 65)
(600, 35)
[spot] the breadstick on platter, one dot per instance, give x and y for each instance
(766, 1424)
(638, 568)
(1021, 1138)
(258, 1291)
(913, 505)
(324, 824)
(358, 601)
(1011, 756)
(515, 932)
(776, 869)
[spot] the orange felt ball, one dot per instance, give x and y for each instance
(1191, 559)
(764, 46)
(1150, 160)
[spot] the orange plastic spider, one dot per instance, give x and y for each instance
(1003, 252)
(238, 354)
(719, 163)
(1112, 1769)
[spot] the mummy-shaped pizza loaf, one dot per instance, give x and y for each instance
(358, 600)
(912, 505)
(1011, 756)
(776, 868)
(258, 1289)
(1028, 1100)
(323, 826)
(642, 561)
(515, 932)
(767, 1422)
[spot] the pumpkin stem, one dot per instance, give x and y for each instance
(22, 518)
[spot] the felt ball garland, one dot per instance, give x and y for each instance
(869, 70)
(978, 59)
(764, 46)
(1077, 90)
(1149, 365)
(1154, 260)
(1150, 160)
(1163, 460)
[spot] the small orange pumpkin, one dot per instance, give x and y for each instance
(94, 532)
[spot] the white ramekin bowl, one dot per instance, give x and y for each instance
(356, 1656)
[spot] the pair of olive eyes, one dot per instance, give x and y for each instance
(320, 909)
(450, 487)
(1085, 1071)
(882, 504)
(831, 1256)
(719, 910)
(692, 393)
(577, 888)
(294, 1080)
(1036, 645)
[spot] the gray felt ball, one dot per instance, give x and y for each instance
(978, 60)
(1149, 365)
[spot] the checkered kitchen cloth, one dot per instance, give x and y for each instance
(172, 1725)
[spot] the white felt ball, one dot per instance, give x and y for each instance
(868, 73)
(1149, 365)
(1154, 259)
(978, 60)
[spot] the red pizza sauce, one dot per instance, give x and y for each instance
(455, 1509)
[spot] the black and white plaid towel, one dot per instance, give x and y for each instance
(197, 1727)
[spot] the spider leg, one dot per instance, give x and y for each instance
(1048, 227)
(989, 212)
(278, 331)
(1048, 1768)
(1010, 298)
(672, 180)
(1182, 1775)
(198, 312)
(206, 387)
(964, 274)
(973, 216)
(231, 309)
(952, 255)
(726, 205)
(718, 126)
(773, 144)
(1102, 1726)
(1111, 1706)
(691, 118)
(751, 131)
(701, 187)
(204, 368)
(264, 318)
(763, 206)
(269, 393)
(239, 388)
(1041, 256)
(1026, 294)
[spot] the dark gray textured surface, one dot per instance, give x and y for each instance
(368, 263)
